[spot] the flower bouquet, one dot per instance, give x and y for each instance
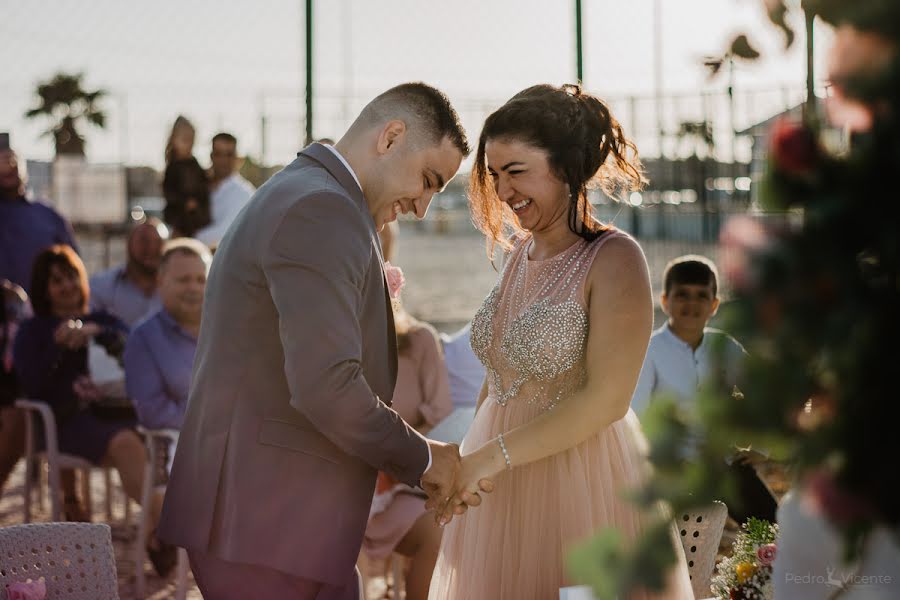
(747, 574)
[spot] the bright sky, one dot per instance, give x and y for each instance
(224, 63)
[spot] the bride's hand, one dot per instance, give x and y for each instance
(476, 473)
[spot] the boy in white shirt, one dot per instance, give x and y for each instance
(683, 354)
(684, 351)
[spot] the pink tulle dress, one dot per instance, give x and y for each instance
(531, 335)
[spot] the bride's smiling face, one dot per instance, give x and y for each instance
(525, 181)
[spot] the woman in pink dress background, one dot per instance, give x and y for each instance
(563, 336)
(399, 521)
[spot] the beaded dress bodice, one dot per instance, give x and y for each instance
(531, 331)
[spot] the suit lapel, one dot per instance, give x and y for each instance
(392, 339)
(391, 330)
(324, 156)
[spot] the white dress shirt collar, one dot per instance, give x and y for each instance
(346, 164)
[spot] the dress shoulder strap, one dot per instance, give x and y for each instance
(593, 247)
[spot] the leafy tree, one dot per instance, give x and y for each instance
(67, 104)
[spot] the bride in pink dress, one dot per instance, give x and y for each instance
(563, 336)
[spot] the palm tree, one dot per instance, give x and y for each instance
(66, 102)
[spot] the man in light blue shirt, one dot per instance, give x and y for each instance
(128, 291)
(159, 354)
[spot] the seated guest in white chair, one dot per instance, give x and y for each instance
(160, 351)
(398, 521)
(51, 359)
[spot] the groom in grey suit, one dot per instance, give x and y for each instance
(289, 415)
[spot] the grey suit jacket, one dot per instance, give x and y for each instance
(288, 419)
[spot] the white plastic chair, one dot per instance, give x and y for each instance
(700, 531)
(76, 560)
(155, 440)
(57, 461)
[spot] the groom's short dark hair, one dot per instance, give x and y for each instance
(426, 109)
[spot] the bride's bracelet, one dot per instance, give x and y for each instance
(505, 453)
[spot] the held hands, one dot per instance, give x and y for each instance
(439, 479)
(471, 474)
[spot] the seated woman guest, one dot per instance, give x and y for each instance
(160, 351)
(399, 522)
(51, 360)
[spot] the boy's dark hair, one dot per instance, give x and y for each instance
(691, 269)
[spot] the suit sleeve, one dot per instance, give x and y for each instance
(316, 264)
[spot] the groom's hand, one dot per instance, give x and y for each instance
(439, 480)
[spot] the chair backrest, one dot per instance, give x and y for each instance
(701, 531)
(76, 560)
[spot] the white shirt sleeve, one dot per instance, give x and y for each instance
(226, 203)
(646, 385)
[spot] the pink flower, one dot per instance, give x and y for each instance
(794, 148)
(30, 590)
(766, 554)
(740, 238)
(395, 279)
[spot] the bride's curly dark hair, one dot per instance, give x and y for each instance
(585, 145)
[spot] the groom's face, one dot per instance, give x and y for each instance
(407, 177)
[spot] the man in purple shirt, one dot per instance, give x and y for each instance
(160, 351)
(26, 227)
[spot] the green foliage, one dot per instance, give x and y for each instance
(65, 102)
(744, 574)
(758, 531)
(612, 569)
(818, 310)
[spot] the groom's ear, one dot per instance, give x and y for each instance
(392, 134)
